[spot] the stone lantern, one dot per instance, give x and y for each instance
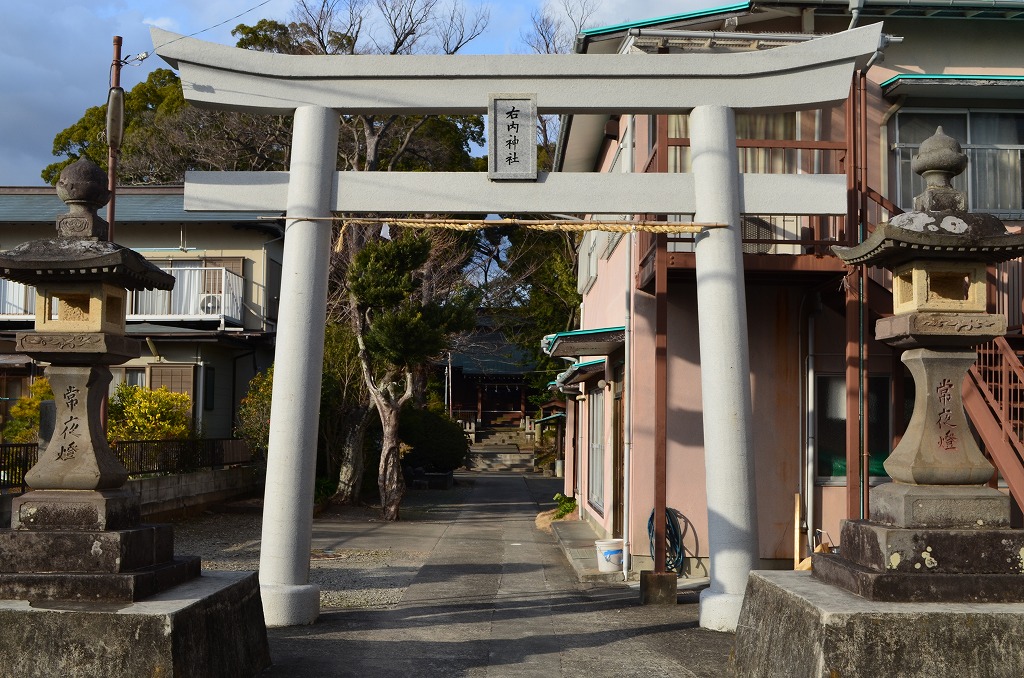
(936, 534)
(81, 283)
(100, 584)
(931, 525)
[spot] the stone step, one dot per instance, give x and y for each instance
(499, 458)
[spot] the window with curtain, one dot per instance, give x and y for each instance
(774, 126)
(595, 448)
(133, 376)
(994, 143)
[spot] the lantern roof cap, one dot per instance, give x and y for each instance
(939, 227)
(81, 251)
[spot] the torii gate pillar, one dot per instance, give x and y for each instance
(288, 598)
(725, 368)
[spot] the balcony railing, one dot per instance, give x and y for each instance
(198, 294)
(764, 234)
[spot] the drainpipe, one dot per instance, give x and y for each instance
(627, 372)
(577, 452)
(855, 8)
(200, 393)
(811, 446)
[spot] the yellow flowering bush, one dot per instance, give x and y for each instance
(23, 424)
(137, 413)
(254, 412)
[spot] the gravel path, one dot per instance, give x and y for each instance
(347, 577)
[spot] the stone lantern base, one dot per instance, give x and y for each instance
(794, 625)
(87, 590)
(210, 626)
(930, 543)
(931, 585)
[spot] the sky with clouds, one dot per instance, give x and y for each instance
(55, 55)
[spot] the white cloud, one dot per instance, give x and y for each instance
(164, 22)
(48, 84)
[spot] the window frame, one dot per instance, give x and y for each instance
(596, 451)
(840, 480)
(899, 166)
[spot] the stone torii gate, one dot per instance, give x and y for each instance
(316, 89)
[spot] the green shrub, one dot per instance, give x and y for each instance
(436, 442)
(566, 505)
(324, 488)
(137, 413)
(254, 412)
(23, 424)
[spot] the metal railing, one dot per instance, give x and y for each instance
(15, 461)
(199, 293)
(764, 234)
(994, 400)
(140, 457)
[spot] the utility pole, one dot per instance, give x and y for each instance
(115, 130)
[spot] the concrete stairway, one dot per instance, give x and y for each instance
(498, 457)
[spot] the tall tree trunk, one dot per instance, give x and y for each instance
(389, 478)
(350, 465)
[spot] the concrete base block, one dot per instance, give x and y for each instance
(932, 551)
(89, 510)
(904, 587)
(96, 587)
(938, 506)
(658, 588)
(290, 604)
(796, 626)
(719, 611)
(79, 551)
(210, 626)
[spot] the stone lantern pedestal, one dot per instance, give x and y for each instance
(87, 589)
(933, 583)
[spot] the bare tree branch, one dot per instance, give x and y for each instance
(453, 29)
(406, 22)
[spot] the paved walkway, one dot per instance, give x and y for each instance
(497, 597)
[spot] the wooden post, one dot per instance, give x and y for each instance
(660, 398)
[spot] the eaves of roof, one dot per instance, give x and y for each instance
(685, 16)
(41, 205)
(916, 9)
(579, 372)
(600, 341)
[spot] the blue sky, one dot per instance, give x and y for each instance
(55, 55)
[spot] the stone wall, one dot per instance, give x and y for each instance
(167, 497)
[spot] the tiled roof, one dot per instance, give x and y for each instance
(41, 205)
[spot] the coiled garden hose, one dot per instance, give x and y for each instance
(675, 556)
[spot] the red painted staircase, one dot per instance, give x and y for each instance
(994, 400)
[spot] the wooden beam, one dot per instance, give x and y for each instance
(660, 400)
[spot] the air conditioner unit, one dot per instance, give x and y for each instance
(210, 304)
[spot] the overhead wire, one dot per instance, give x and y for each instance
(142, 56)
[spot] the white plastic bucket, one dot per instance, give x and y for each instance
(609, 554)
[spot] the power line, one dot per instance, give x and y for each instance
(142, 56)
